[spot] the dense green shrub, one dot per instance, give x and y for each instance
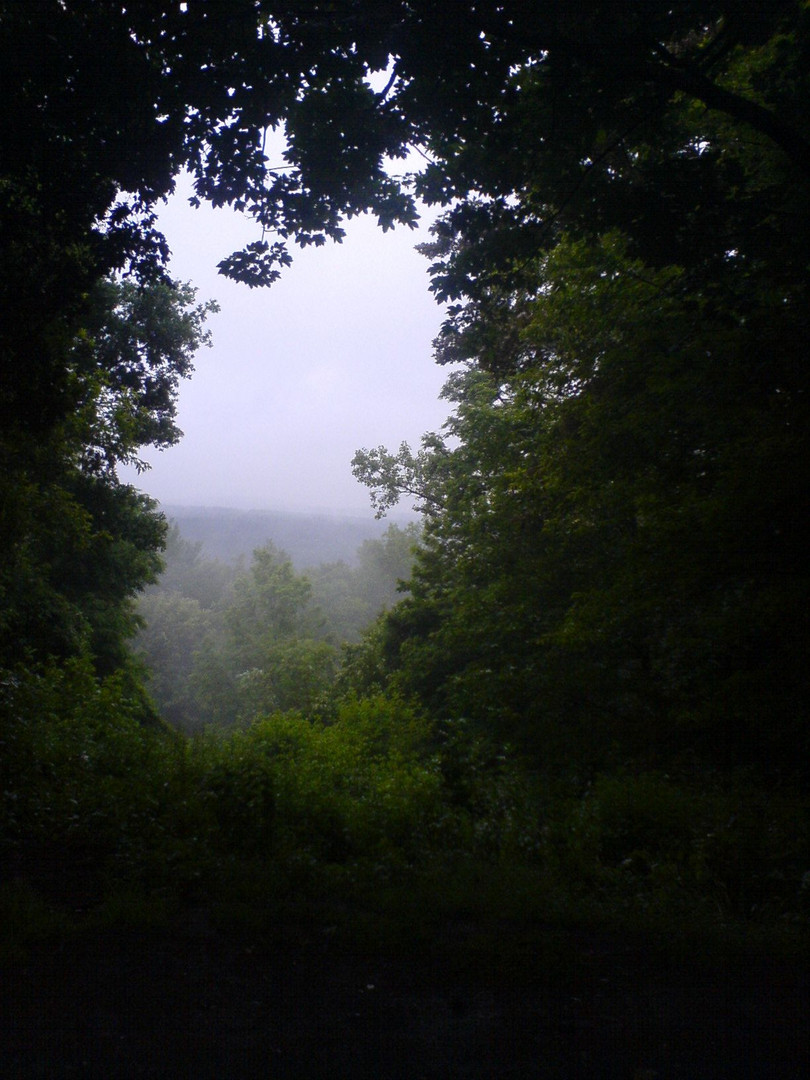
(81, 762)
(82, 773)
(363, 785)
(649, 841)
(96, 801)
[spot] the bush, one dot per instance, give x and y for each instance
(80, 765)
(647, 841)
(363, 785)
(96, 802)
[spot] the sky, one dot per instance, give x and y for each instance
(335, 356)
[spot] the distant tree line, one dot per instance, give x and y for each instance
(224, 643)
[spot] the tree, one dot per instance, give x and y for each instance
(615, 543)
(268, 602)
(351, 597)
(263, 650)
(80, 544)
(126, 365)
(679, 131)
(533, 120)
(104, 104)
(532, 109)
(602, 571)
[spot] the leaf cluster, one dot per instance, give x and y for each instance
(611, 568)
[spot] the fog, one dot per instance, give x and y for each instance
(335, 356)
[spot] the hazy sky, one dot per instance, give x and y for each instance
(335, 356)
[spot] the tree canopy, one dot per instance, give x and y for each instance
(613, 559)
(612, 576)
(78, 543)
(623, 252)
(532, 119)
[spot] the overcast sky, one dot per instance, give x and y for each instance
(335, 356)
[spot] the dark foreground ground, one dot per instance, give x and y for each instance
(202, 1005)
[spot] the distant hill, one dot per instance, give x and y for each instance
(308, 538)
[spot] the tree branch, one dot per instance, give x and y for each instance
(688, 80)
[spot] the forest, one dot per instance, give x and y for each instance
(223, 643)
(573, 699)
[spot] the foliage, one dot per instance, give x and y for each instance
(222, 644)
(611, 568)
(378, 812)
(79, 544)
(268, 651)
(82, 775)
(688, 142)
(351, 597)
(353, 787)
(83, 548)
(130, 355)
(175, 628)
(650, 841)
(92, 795)
(528, 120)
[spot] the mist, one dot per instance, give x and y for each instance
(335, 356)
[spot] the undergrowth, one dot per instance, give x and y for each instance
(377, 826)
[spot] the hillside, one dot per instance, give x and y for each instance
(308, 538)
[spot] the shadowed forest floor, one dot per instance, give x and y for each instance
(198, 1003)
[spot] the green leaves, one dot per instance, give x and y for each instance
(262, 651)
(601, 527)
(257, 264)
(136, 344)
(392, 476)
(79, 544)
